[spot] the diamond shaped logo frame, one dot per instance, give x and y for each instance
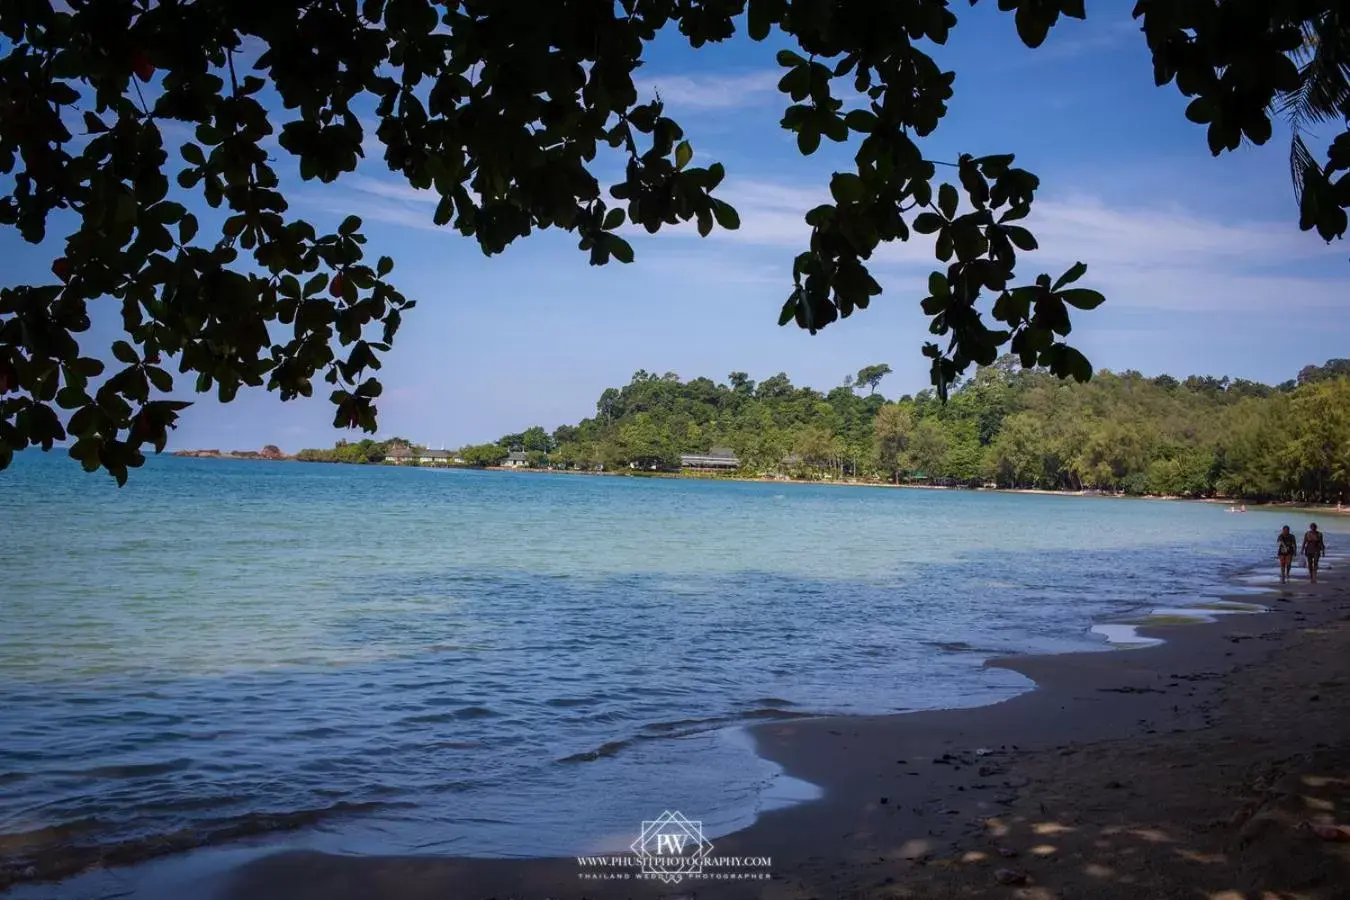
(672, 831)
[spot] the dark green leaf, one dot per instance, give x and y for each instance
(948, 200)
(1023, 239)
(161, 379)
(1076, 271)
(1076, 364)
(846, 187)
(928, 223)
(1081, 298)
(726, 215)
(125, 353)
(808, 139)
(620, 248)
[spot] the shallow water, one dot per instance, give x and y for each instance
(403, 660)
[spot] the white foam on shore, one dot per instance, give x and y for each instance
(782, 790)
(776, 790)
(1125, 635)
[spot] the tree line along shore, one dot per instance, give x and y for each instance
(1005, 427)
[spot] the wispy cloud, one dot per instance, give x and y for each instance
(714, 91)
(1146, 256)
(1072, 39)
(375, 200)
(1155, 256)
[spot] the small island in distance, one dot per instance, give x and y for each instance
(269, 452)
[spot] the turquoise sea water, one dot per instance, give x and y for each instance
(405, 660)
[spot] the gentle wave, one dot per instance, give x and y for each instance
(58, 852)
(433, 657)
(684, 728)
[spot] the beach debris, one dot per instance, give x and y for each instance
(1010, 876)
(1007, 852)
(884, 800)
(983, 751)
(1242, 814)
(986, 771)
(1330, 832)
(1114, 785)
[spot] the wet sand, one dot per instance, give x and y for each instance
(1195, 768)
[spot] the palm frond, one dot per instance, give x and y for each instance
(1324, 73)
(1300, 158)
(1323, 91)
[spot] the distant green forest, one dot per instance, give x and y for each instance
(1119, 432)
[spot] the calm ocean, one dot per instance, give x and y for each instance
(469, 663)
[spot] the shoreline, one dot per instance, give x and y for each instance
(1290, 505)
(901, 793)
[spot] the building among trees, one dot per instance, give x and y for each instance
(718, 459)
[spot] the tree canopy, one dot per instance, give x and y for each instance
(871, 376)
(1015, 428)
(511, 112)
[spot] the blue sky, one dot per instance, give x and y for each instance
(1201, 260)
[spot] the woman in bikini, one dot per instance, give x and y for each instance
(1313, 547)
(1286, 546)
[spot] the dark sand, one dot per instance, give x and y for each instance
(1192, 769)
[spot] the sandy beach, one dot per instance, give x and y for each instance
(1210, 765)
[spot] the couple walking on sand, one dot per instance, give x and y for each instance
(1314, 546)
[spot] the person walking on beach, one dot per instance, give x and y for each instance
(1286, 547)
(1313, 548)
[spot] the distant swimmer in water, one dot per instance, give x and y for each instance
(1285, 547)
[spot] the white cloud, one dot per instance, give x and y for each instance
(390, 190)
(376, 200)
(713, 92)
(1141, 256)
(1072, 39)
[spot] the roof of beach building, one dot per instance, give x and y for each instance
(717, 455)
(434, 454)
(517, 456)
(399, 451)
